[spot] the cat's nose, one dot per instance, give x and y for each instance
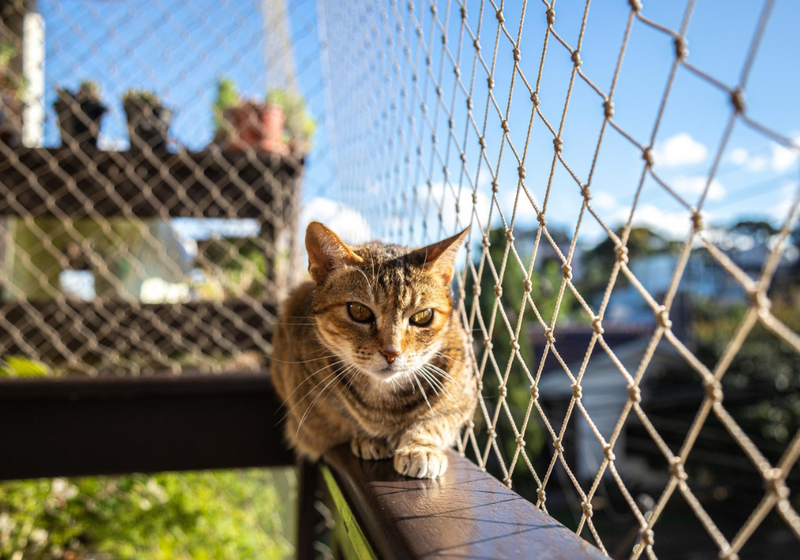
(390, 354)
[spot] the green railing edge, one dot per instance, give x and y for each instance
(358, 540)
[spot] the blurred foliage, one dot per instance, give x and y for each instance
(20, 366)
(545, 283)
(197, 516)
(226, 97)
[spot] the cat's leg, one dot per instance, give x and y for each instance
(420, 452)
(371, 448)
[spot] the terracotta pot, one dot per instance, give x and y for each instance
(256, 125)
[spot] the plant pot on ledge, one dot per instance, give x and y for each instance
(255, 125)
(79, 115)
(148, 120)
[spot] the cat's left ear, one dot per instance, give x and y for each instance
(326, 252)
(440, 257)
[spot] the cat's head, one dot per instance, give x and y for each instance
(383, 309)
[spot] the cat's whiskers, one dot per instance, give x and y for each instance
(424, 394)
(309, 391)
(445, 374)
(447, 393)
(308, 410)
(307, 379)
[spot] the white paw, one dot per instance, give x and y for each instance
(420, 462)
(370, 449)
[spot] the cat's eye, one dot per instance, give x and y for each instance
(360, 313)
(421, 318)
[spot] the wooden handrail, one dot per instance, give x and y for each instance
(466, 514)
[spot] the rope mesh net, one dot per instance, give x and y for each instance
(169, 250)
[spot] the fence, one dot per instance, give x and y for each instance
(623, 385)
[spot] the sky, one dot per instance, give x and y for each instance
(180, 47)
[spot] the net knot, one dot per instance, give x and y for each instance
(463, 12)
(576, 58)
(514, 344)
(548, 334)
(558, 144)
(697, 221)
(540, 218)
(476, 44)
(485, 241)
(510, 235)
(636, 5)
(597, 326)
(567, 270)
(587, 509)
(464, 159)
(759, 299)
(634, 394)
(681, 51)
(490, 82)
(471, 424)
(534, 392)
(490, 432)
(586, 192)
(434, 9)
(517, 54)
(469, 108)
(774, 483)
(622, 254)
(498, 290)
(608, 451)
(476, 289)
(499, 16)
(677, 470)
(520, 440)
(495, 186)
(647, 156)
(521, 171)
(535, 98)
(577, 390)
(502, 390)
(550, 13)
(714, 390)
(662, 317)
(541, 494)
(504, 125)
(507, 481)
(737, 99)
(527, 285)
(647, 537)
(608, 108)
(558, 446)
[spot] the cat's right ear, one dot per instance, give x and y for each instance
(326, 252)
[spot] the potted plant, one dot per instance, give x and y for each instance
(79, 114)
(12, 89)
(247, 124)
(299, 126)
(148, 120)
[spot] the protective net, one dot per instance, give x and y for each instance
(610, 305)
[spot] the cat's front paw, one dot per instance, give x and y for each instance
(371, 449)
(420, 462)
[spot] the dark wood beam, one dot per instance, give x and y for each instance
(55, 427)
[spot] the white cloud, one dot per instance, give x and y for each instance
(603, 200)
(347, 222)
(109, 143)
(696, 185)
(784, 158)
(679, 150)
(748, 161)
(672, 224)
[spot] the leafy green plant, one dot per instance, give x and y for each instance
(189, 516)
(299, 126)
(227, 97)
(141, 96)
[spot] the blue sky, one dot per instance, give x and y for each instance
(180, 47)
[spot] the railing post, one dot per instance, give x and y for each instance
(308, 480)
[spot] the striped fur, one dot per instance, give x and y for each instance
(340, 379)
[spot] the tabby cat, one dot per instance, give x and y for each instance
(371, 352)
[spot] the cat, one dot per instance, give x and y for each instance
(372, 352)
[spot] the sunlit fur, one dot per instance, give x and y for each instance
(388, 387)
